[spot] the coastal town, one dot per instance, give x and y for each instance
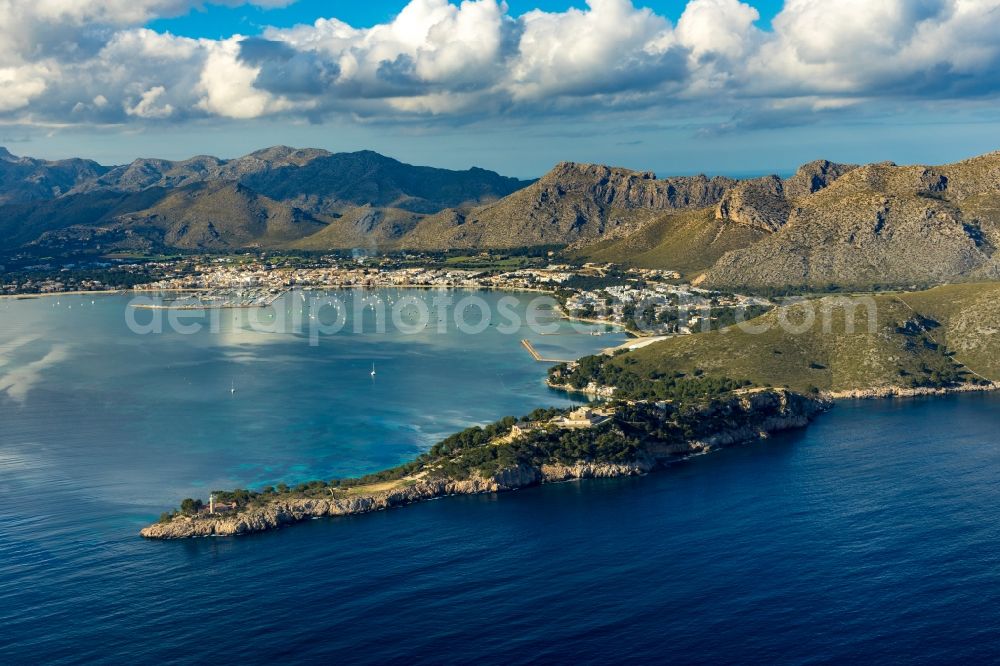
(639, 300)
(602, 293)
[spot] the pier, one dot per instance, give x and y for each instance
(538, 357)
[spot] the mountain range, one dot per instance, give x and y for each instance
(829, 223)
(269, 198)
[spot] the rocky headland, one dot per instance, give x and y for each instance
(739, 419)
(282, 512)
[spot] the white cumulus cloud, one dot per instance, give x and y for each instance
(228, 85)
(76, 61)
(19, 85)
(149, 105)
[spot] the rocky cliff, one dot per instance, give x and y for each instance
(572, 203)
(880, 224)
(759, 203)
(281, 512)
(746, 418)
(815, 176)
(907, 392)
(624, 188)
(766, 203)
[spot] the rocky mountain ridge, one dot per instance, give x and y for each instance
(828, 224)
(879, 224)
(572, 204)
(144, 173)
(149, 203)
(766, 203)
(25, 179)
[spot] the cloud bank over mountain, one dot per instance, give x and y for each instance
(82, 62)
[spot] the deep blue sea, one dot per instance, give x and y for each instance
(871, 536)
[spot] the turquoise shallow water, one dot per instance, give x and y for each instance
(138, 419)
(872, 535)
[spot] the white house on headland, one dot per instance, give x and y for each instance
(584, 417)
(578, 419)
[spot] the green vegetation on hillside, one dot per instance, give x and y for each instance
(688, 242)
(642, 383)
(937, 338)
(636, 431)
(969, 315)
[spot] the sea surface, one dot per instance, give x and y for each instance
(871, 536)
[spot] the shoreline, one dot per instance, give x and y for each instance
(887, 392)
(765, 413)
(264, 511)
(592, 390)
(600, 322)
(797, 411)
(562, 314)
(77, 292)
(882, 393)
(286, 512)
(616, 327)
(747, 426)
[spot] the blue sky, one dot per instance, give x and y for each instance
(219, 21)
(675, 86)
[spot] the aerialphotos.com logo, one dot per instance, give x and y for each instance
(318, 314)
